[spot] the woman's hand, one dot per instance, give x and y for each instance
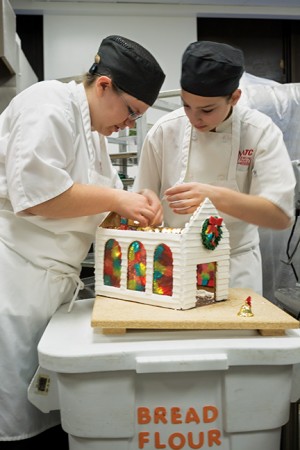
(143, 207)
(185, 198)
(155, 203)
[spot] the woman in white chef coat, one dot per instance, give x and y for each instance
(56, 185)
(212, 147)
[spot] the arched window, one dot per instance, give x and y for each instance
(136, 275)
(163, 270)
(112, 263)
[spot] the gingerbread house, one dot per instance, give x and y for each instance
(178, 268)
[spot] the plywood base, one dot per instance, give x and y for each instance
(113, 316)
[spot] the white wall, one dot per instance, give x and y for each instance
(70, 43)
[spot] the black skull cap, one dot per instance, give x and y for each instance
(133, 68)
(211, 69)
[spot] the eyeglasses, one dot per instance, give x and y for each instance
(132, 115)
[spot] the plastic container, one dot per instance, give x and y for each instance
(228, 390)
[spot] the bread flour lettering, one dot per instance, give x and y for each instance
(175, 415)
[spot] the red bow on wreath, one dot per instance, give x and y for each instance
(214, 222)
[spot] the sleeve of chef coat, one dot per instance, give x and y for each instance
(39, 157)
(272, 174)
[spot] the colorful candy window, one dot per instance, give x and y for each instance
(162, 283)
(112, 264)
(136, 276)
(206, 275)
(163, 270)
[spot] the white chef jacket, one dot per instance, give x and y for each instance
(246, 153)
(46, 145)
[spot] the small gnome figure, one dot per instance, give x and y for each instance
(245, 310)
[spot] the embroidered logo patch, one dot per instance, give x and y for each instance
(245, 157)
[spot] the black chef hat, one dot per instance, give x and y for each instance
(132, 68)
(211, 69)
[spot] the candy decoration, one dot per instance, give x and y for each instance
(246, 310)
(212, 232)
(123, 223)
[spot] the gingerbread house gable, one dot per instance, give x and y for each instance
(173, 268)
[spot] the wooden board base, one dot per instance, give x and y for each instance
(113, 316)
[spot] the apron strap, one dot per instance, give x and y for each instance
(79, 285)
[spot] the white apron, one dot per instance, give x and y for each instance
(222, 149)
(41, 271)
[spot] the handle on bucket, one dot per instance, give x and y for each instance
(181, 363)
